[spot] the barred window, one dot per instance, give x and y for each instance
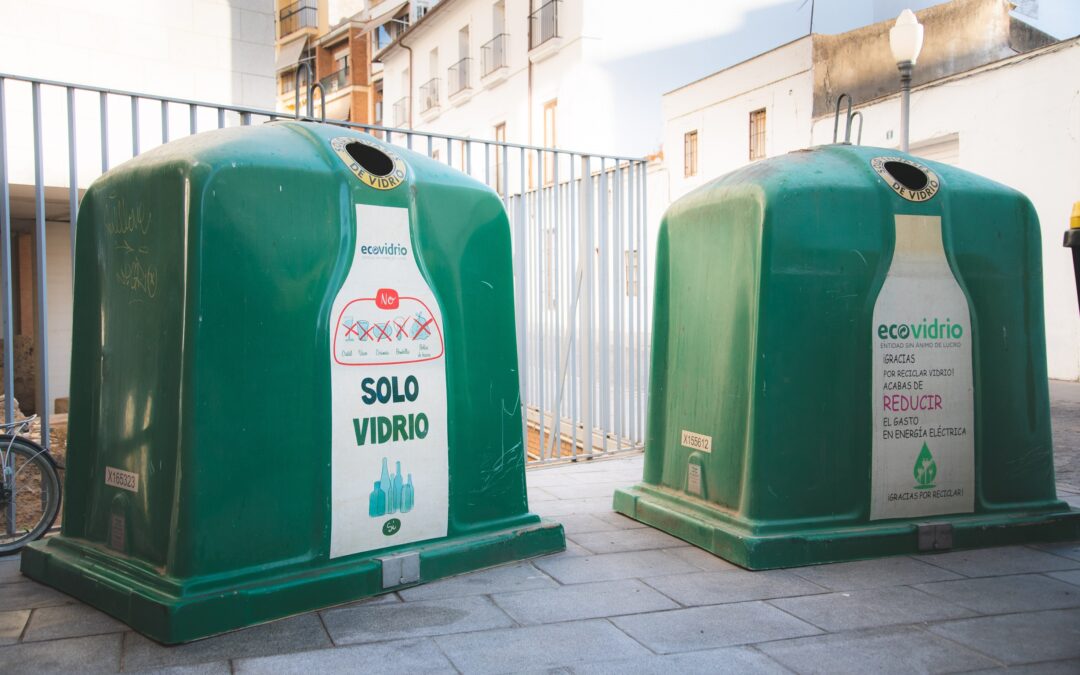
(757, 134)
(690, 153)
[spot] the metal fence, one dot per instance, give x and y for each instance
(577, 220)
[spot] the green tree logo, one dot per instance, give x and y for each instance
(925, 469)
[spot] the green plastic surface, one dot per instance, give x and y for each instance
(766, 281)
(205, 272)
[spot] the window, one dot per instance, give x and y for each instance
(498, 17)
(757, 134)
(500, 135)
(549, 140)
(690, 153)
(433, 63)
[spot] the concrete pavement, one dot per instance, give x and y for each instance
(627, 598)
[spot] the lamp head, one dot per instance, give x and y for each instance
(906, 38)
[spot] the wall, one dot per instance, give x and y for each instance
(718, 108)
(1019, 124)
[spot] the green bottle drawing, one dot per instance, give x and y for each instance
(407, 496)
(384, 485)
(377, 502)
(925, 469)
(395, 486)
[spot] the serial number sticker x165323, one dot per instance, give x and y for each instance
(125, 480)
(696, 441)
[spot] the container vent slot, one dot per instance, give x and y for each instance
(374, 161)
(907, 175)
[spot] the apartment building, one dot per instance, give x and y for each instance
(334, 40)
(983, 76)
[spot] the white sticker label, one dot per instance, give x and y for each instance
(389, 472)
(693, 479)
(923, 444)
(125, 480)
(696, 441)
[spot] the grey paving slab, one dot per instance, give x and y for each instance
(64, 621)
(539, 494)
(901, 650)
(1070, 576)
(685, 630)
(97, 654)
(988, 562)
(728, 660)
(712, 588)
(12, 624)
(9, 571)
(617, 541)
(1070, 667)
(894, 571)
(1019, 638)
(214, 668)
(999, 595)
(578, 570)
(575, 550)
(385, 658)
(29, 596)
(384, 599)
(413, 619)
(582, 601)
(600, 489)
(537, 647)
(870, 607)
(1069, 550)
(294, 634)
(561, 507)
(618, 520)
(702, 559)
(516, 577)
(585, 522)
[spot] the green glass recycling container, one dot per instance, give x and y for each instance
(294, 382)
(848, 361)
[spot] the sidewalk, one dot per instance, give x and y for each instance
(625, 598)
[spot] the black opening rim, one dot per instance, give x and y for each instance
(911, 177)
(371, 159)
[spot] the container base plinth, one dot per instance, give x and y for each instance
(172, 611)
(724, 535)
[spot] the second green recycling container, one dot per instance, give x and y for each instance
(849, 361)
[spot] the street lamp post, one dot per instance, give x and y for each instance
(905, 40)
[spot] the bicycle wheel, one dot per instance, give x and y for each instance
(29, 496)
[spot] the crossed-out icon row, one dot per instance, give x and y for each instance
(416, 327)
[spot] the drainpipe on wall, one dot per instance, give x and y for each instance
(411, 106)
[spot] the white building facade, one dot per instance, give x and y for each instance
(220, 51)
(1015, 120)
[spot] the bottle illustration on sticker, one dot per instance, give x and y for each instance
(390, 494)
(388, 393)
(922, 386)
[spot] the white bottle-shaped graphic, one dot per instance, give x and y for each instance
(372, 343)
(923, 403)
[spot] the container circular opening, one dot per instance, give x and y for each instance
(371, 159)
(911, 177)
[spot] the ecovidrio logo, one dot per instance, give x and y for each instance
(925, 330)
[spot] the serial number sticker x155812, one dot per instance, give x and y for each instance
(125, 480)
(696, 441)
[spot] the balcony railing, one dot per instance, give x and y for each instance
(302, 14)
(429, 95)
(337, 80)
(458, 74)
(493, 53)
(401, 112)
(544, 24)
